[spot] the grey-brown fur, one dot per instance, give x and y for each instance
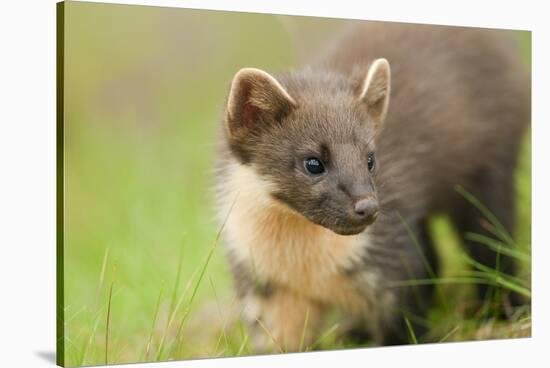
(460, 103)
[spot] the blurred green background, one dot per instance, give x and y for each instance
(144, 92)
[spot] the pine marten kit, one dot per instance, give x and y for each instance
(329, 174)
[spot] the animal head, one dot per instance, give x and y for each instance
(312, 136)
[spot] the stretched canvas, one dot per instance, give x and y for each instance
(235, 184)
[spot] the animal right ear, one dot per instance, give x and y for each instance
(255, 100)
(375, 91)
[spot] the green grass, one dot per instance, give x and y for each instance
(142, 110)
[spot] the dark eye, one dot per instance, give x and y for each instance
(314, 166)
(370, 161)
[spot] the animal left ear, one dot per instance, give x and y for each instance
(375, 91)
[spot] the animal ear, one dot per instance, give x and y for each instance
(255, 99)
(375, 91)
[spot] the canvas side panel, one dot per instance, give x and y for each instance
(60, 284)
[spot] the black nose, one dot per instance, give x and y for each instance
(366, 208)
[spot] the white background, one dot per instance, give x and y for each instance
(27, 181)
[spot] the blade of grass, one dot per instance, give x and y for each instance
(497, 291)
(509, 278)
(464, 280)
(155, 316)
(202, 271)
(224, 320)
(513, 287)
(427, 266)
(498, 246)
(219, 340)
(416, 292)
(102, 272)
(97, 318)
(177, 283)
(243, 344)
(446, 280)
(244, 336)
(72, 345)
(324, 335)
(450, 333)
(266, 330)
(417, 319)
(498, 229)
(91, 340)
(499, 278)
(302, 338)
(425, 262)
(193, 294)
(108, 321)
(174, 306)
(412, 335)
(160, 349)
(78, 312)
(95, 323)
(483, 268)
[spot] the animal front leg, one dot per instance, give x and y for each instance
(281, 322)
